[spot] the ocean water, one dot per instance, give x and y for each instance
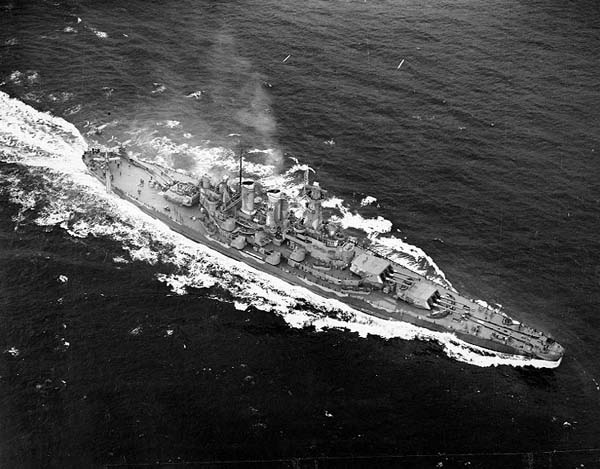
(462, 136)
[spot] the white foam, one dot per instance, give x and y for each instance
(15, 77)
(206, 159)
(258, 150)
(92, 212)
(30, 135)
(371, 226)
(69, 29)
(99, 34)
(60, 97)
(172, 124)
(32, 76)
(49, 218)
(29, 77)
(32, 97)
(368, 200)
(175, 282)
(332, 202)
(73, 110)
(196, 94)
(24, 200)
(158, 88)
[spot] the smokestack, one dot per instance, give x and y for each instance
(273, 207)
(248, 197)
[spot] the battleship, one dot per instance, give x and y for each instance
(290, 238)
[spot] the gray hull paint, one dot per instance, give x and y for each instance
(402, 312)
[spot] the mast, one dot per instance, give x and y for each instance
(241, 163)
(107, 174)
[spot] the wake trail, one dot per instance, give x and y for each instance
(73, 200)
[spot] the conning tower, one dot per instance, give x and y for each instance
(313, 215)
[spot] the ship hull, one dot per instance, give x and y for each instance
(400, 312)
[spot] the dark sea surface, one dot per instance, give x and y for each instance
(482, 148)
